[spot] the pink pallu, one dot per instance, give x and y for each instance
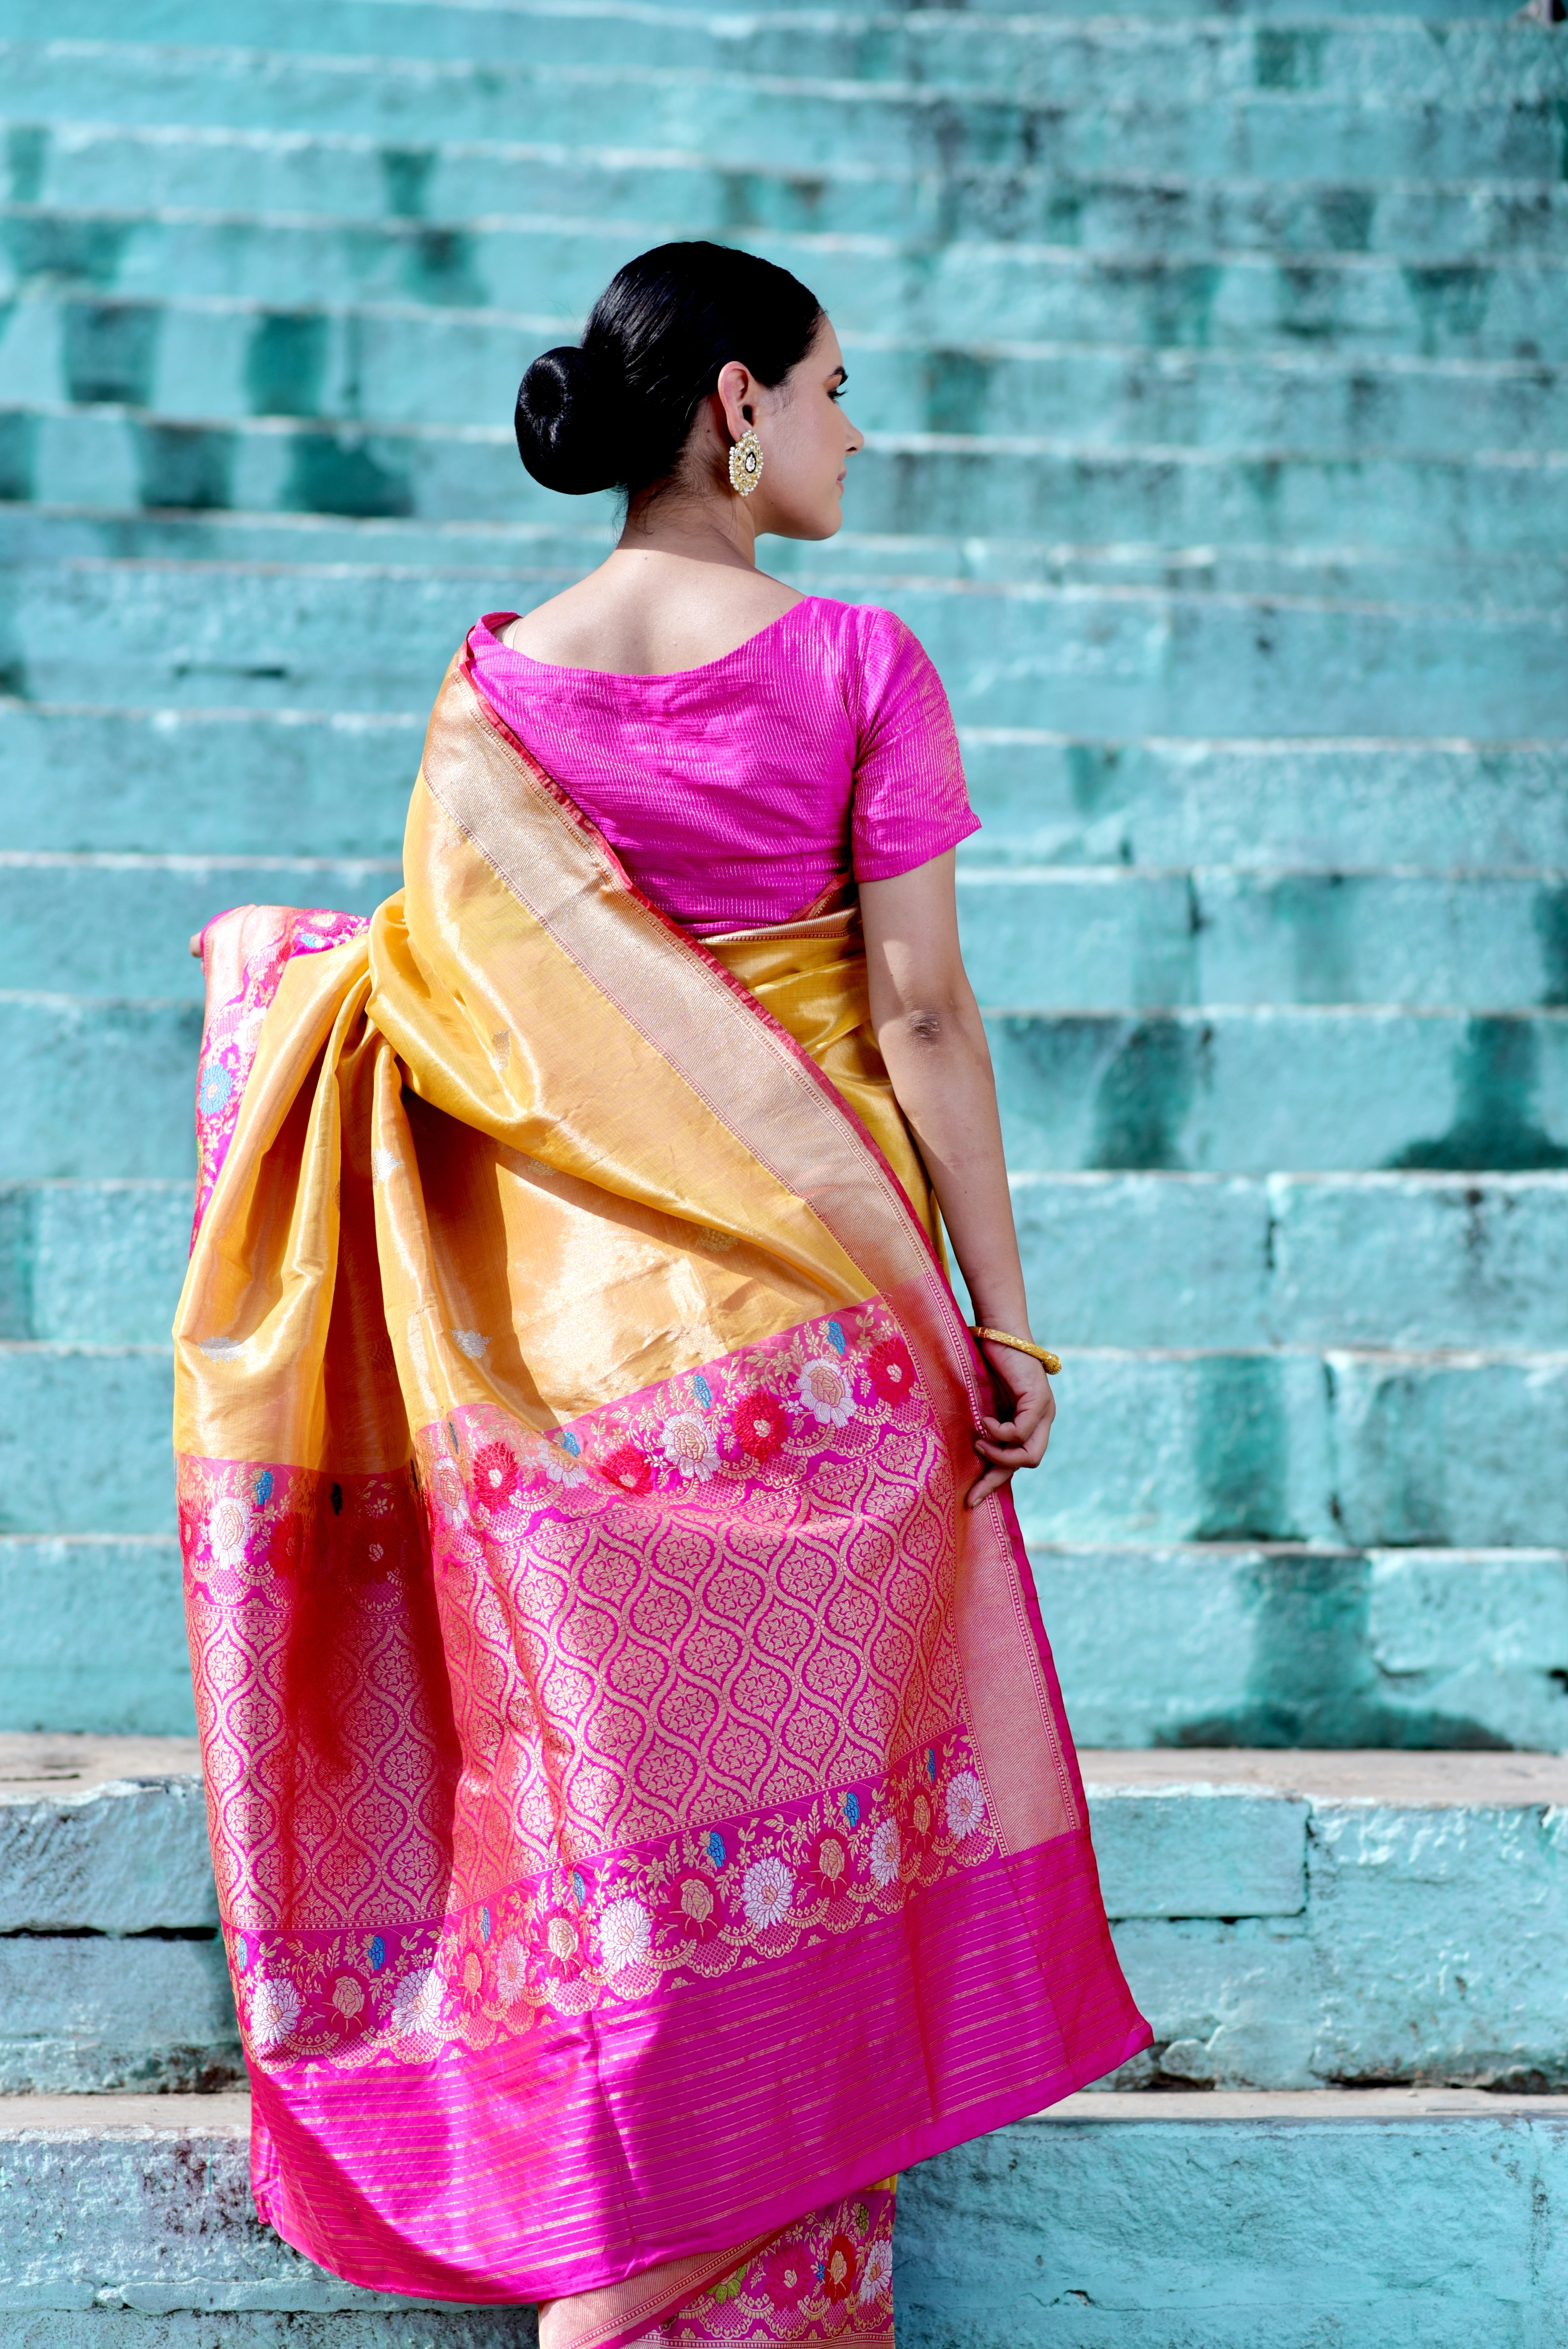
(641, 1802)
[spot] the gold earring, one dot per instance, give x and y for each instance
(745, 463)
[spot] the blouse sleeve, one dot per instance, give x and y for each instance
(910, 801)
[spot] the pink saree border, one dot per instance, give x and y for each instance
(671, 2080)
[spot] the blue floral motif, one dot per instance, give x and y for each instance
(852, 1807)
(578, 1888)
(242, 1953)
(836, 1338)
(569, 1443)
(263, 1488)
(309, 939)
(931, 1764)
(217, 1085)
(713, 1844)
(377, 1953)
(703, 1391)
(484, 1924)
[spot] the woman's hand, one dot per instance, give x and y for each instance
(196, 943)
(1018, 1440)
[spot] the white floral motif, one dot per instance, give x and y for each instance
(226, 1530)
(274, 2009)
(626, 1930)
(416, 2009)
(686, 1442)
(876, 2270)
(472, 1342)
(511, 1970)
(823, 1389)
(966, 1804)
(562, 1467)
(767, 1889)
(884, 1853)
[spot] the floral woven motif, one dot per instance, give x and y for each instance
(234, 1022)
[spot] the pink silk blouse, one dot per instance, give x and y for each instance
(740, 793)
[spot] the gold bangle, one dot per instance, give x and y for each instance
(1053, 1362)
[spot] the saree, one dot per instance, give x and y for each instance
(641, 1807)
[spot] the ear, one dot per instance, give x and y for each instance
(737, 393)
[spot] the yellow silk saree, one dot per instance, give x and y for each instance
(641, 1802)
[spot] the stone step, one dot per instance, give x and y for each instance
(1095, 937)
(348, 469)
(1423, 1262)
(236, 782)
(232, 783)
(1367, 1446)
(56, 1669)
(1224, 1644)
(83, 166)
(1512, 307)
(1014, 2240)
(1286, 1919)
(1132, 661)
(1268, 1645)
(1260, 804)
(1014, 59)
(1083, 937)
(128, 919)
(932, 496)
(104, 1086)
(229, 357)
(1373, 1448)
(1252, 1090)
(1462, 102)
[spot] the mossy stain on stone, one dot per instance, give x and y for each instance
(27, 158)
(1143, 1097)
(285, 363)
(186, 467)
(1497, 1075)
(109, 352)
(336, 473)
(1243, 1454)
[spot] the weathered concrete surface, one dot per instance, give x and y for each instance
(1286, 1918)
(1416, 1260)
(93, 2013)
(1427, 1942)
(1247, 1645)
(1245, 2223)
(103, 1835)
(1170, 2222)
(1412, 1259)
(1374, 1449)
(1079, 938)
(56, 1593)
(1146, 659)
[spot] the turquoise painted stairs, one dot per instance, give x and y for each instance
(1215, 371)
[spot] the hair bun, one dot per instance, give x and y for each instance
(562, 423)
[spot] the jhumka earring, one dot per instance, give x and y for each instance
(745, 463)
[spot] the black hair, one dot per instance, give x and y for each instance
(614, 411)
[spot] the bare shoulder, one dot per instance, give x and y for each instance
(643, 616)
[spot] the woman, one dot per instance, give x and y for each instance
(642, 1811)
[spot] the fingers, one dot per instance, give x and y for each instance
(196, 938)
(992, 1480)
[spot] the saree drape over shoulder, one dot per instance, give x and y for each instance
(640, 1796)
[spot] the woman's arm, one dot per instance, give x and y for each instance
(934, 1043)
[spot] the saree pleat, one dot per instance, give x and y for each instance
(640, 1799)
